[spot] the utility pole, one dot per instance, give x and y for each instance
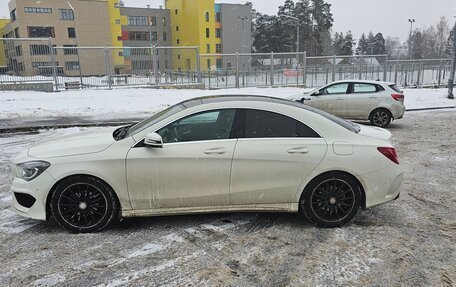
(453, 67)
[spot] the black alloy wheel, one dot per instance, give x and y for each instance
(331, 200)
(83, 204)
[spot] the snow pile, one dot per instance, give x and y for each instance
(139, 103)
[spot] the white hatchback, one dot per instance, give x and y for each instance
(211, 154)
(376, 101)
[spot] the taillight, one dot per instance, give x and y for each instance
(398, 97)
(390, 153)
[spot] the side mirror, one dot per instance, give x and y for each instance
(316, 93)
(153, 140)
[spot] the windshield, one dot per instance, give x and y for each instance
(155, 119)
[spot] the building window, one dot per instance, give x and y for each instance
(175, 11)
(207, 33)
(178, 57)
(139, 36)
(138, 21)
(71, 32)
(18, 50)
(13, 15)
(218, 32)
(119, 38)
(153, 36)
(208, 63)
(72, 65)
(208, 48)
(164, 36)
(37, 10)
(117, 21)
(66, 14)
(218, 63)
(177, 28)
(69, 51)
(16, 33)
(218, 48)
(41, 32)
(164, 21)
(153, 21)
(218, 17)
(39, 50)
(206, 16)
(120, 54)
(178, 41)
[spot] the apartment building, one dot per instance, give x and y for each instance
(127, 32)
(214, 28)
(82, 23)
(141, 29)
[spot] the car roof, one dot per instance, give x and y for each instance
(363, 81)
(241, 98)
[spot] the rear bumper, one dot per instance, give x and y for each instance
(398, 111)
(383, 186)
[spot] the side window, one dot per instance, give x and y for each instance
(264, 124)
(210, 125)
(364, 88)
(340, 88)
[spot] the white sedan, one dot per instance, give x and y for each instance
(376, 101)
(211, 154)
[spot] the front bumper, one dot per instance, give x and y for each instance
(39, 189)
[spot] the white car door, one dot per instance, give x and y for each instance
(329, 99)
(362, 99)
(191, 170)
(273, 158)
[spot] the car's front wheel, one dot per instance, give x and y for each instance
(331, 200)
(83, 204)
(381, 118)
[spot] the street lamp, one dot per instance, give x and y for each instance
(297, 28)
(76, 43)
(410, 37)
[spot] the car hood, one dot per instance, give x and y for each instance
(374, 132)
(82, 143)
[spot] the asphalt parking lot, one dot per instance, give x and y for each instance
(410, 241)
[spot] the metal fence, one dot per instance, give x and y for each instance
(71, 67)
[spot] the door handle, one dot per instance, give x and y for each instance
(298, 150)
(340, 99)
(215, 150)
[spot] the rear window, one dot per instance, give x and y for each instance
(393, 86)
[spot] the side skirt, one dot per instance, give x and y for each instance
(283, 207)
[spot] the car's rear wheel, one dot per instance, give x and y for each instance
(331, 200)
(83, 204)
(381, 118)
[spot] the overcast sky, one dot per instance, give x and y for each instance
(386, 16)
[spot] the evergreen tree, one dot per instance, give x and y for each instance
(379, 44)
(363, 45)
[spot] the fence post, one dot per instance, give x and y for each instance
(54, 64)
(334, 69)
(360, 77)
(154, 63)
(304, 69)
(272, 69)
(385, 68)
(420, 66)
(108, 67)
(440, 71)
(395, 72)
(237, 70)
(198, 66)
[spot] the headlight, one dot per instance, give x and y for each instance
(30, 170)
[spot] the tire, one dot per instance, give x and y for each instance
(83, 204)
(380, 118)
(331, 199)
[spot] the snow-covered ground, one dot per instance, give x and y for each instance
(141, 102)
